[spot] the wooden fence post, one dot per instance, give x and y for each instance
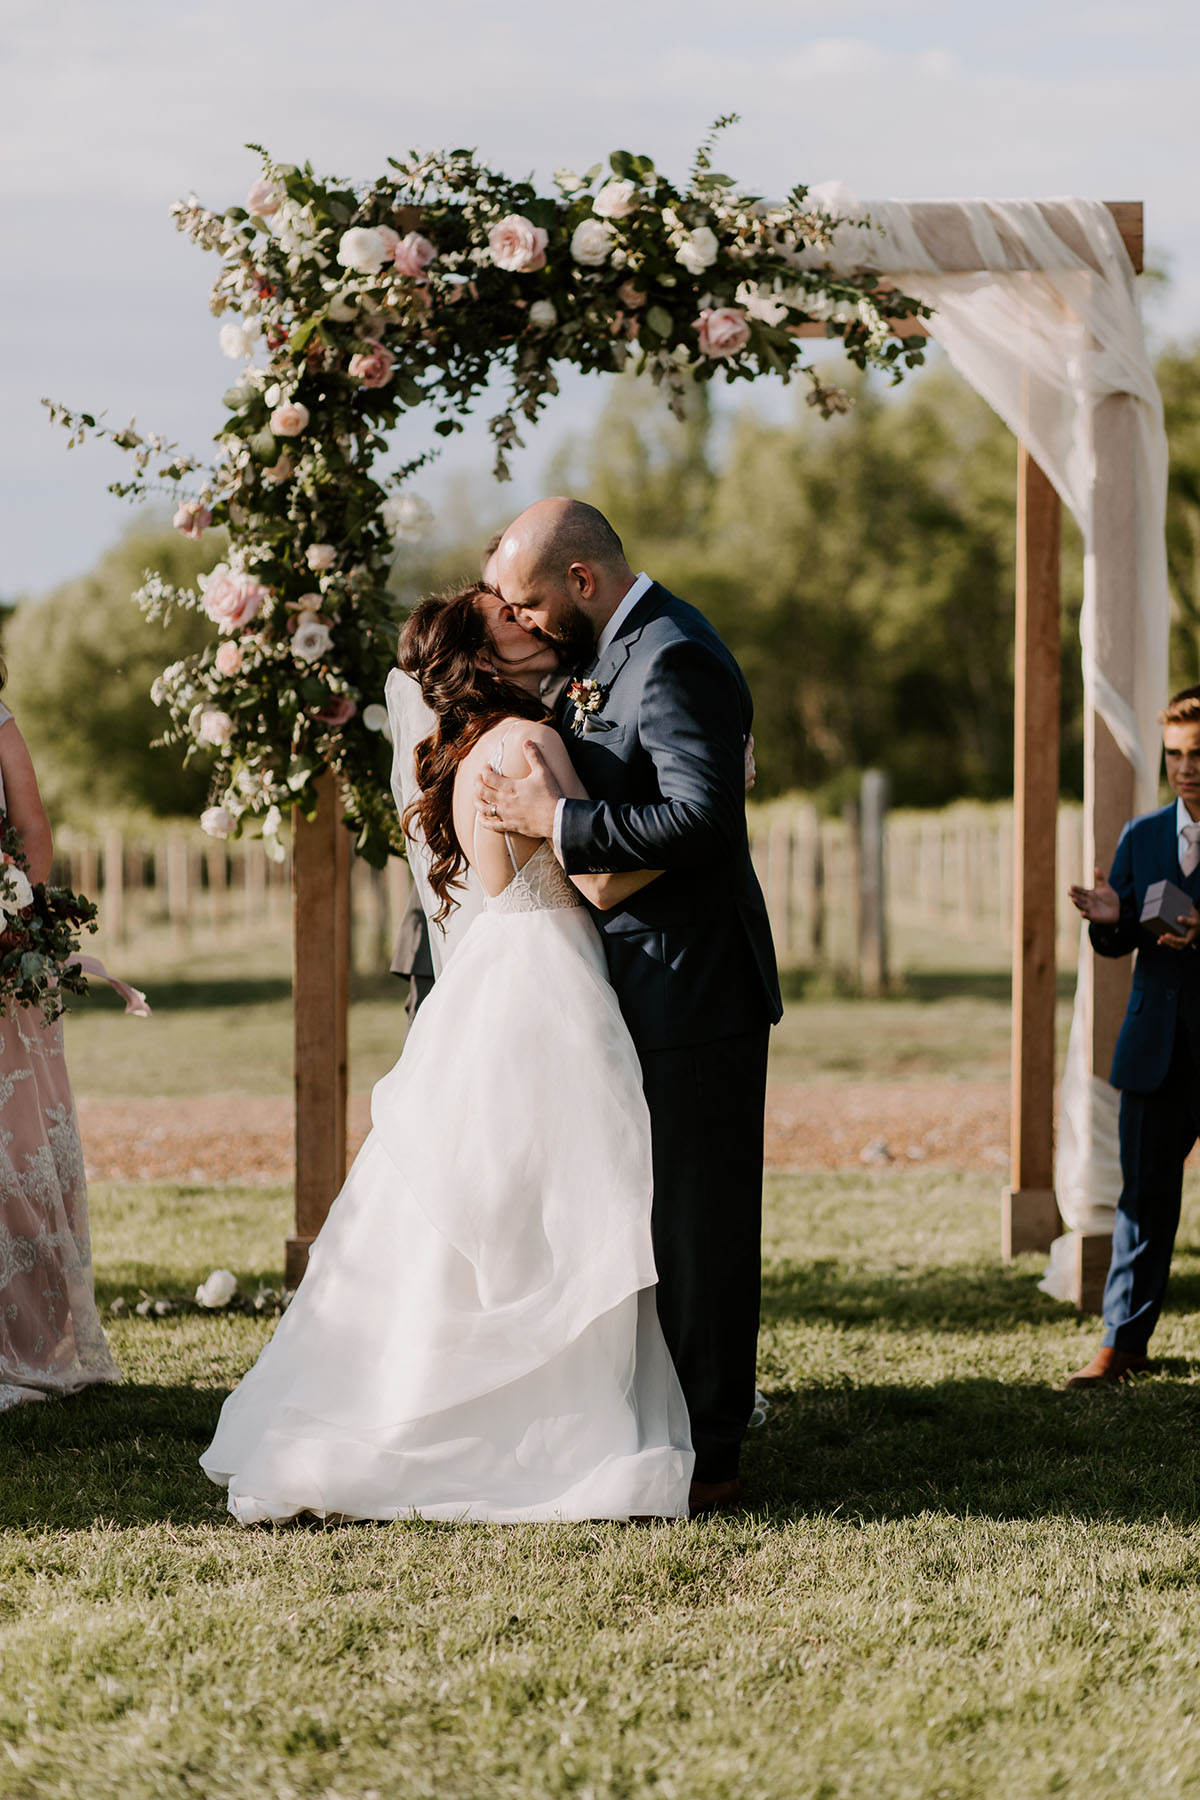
(321, 993)
(112, 918)
(872, 911)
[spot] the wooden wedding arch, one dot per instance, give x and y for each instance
(1030, 1217)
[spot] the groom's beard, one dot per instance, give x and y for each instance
(573, 636)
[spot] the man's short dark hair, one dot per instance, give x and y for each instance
(1182, 708)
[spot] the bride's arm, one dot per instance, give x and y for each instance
(604, 891)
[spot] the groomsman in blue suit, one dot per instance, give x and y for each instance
(1157, 1059)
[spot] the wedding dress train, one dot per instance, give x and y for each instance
(476, 1336)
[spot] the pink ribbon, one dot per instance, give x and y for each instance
(135, 1000)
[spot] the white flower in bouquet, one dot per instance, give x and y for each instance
(218, 1290)
(568, 182)
(761, 303)
(699, 250)
(517, 244)
(15, 889)
(218, 822)
(375, 718)
(289, 419)
(616, 200)
(264, 199)
(312, 639)
(365, 251)
(543, 315)
(320, 557)
(237, 341)
(407, 517)
(229, 658)
(592, 242)
(192, 518)
(215, 728)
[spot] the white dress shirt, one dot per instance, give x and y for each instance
(1189, 851)
(642, 584)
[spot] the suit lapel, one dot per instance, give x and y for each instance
(605, 668)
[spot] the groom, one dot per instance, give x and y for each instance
(657, 723)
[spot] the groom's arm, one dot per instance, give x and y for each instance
(691, 725)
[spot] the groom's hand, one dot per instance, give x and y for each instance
(526, 806)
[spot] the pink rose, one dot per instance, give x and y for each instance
(516, 243)
(414, 254)
(373, 368)
(290, 419)
(722, 330)
(631, 295)
(229, 658)
(337, 711)
(263, 200)
(231, 599)
(192, 519)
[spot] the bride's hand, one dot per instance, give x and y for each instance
(524, 807)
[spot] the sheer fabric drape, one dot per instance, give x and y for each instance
(1036, 306)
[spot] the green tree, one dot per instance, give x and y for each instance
(81, 662)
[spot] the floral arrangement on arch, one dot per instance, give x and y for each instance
(346, 306)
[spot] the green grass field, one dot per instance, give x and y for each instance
(953, 1579)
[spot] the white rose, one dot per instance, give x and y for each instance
(698, 251)
(760, 303)
(218, 1290)
(616, 200)
(375, 718)
(567, 181)
(214, 728)
(217, 821)
(363, 251)
(312, 639)
(406, 516)
(236, 341)
(543, 315)
(15, 890)
(591, 243)
(289, 419)
(320, 557)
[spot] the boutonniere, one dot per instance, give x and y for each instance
(587, 697)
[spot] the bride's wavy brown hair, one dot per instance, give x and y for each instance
(440, 645)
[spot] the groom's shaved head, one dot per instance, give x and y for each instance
(560, 566)
(553, 534)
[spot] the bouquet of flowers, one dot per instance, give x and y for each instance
(40, 929)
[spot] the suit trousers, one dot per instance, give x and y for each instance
(1157, 1131)
(706, 1119)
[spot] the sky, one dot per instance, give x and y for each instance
(112, 109)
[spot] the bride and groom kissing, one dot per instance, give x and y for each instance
(537, 1294)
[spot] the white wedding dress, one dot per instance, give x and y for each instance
(476, 1335)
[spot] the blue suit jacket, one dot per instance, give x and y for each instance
(690, 956)
(1166, 983)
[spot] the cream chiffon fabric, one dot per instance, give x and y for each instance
(476, 1336)
(51, 1341)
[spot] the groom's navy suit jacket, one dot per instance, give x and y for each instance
(690, 956)
(1166, 983)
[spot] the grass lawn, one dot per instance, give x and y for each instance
(954, 1579)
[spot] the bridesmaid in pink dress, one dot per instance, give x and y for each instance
(51, 1341)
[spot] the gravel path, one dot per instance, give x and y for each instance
(949, 1124)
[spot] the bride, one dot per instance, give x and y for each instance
(476, 1335)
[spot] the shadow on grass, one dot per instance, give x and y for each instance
(959, 1297)
(122, 1455)
(184, 994)
(1007, 1450)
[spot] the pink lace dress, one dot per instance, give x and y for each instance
(51, 1341)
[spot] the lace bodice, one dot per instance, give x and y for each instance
(540, 886)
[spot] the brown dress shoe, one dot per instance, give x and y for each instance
(713, 1496)
(1107, 1368)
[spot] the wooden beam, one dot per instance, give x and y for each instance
(320, 994)
(1030, 1217)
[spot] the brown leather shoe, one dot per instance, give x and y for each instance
(1108, 1368)
(713, 1496)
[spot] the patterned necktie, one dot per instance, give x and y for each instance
(1189, 856)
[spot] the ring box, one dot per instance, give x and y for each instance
(1162, 906)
